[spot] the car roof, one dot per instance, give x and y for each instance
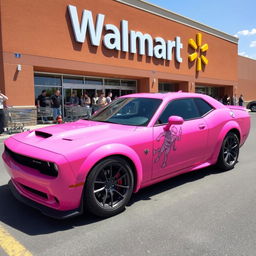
(176, 95)
(169, 95)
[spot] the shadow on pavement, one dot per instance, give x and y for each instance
(32, 222)
(148, 192)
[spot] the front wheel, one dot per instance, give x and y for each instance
(229, 152)
(109, 187)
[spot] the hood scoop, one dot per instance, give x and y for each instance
(42, 134)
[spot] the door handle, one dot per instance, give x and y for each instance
(202, 126)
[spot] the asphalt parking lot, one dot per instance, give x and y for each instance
(207, 212)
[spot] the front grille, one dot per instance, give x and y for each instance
(43, 167)
(39, 193)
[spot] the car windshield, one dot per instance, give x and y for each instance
(128, 111)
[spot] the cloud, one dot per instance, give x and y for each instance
(246, 32)
(253, 44)
(243, 54)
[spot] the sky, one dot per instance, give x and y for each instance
(234, 17)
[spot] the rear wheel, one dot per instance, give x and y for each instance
(109, 187)
(229, 152)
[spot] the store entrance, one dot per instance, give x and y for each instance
(77, 102)
(78, 93)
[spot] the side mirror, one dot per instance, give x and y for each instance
(173, 120)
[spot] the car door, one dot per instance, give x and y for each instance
(183, 145)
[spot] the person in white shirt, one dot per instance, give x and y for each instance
(2, 99)
(109, 98)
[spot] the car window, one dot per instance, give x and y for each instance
(185, 108)
(203, 106)
(128, 111)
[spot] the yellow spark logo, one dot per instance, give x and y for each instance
(199, 50)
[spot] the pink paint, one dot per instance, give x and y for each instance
(157, 151)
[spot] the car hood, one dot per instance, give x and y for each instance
(63, 138)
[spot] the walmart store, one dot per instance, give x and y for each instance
(122, 46)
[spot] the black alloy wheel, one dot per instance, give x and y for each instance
(109, 187)
(229, 152)
(253, 108)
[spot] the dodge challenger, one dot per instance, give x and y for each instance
(137, 140)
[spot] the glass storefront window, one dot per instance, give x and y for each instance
(112, 82)
(73, 80)
(47, 80)
(93, 81)
(78, 85)
(130, 83)
(214, 92)
(125, 92)
(166, 87)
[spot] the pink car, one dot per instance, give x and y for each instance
(136, 141)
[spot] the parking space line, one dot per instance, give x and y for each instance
(11, 246)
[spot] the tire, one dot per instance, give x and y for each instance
(108, 187)
(253, 108)
(229, 152)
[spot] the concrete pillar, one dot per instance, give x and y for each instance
(184, 86)
(192, 86)
(149, 84)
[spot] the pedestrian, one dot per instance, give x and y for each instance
(95, 106)
(41, 100)
(74, 100)
(2, 99)
(109, 98)
(102, 100)
(86, 102)
(234, 99)
(241, 100)
(225, 100)
(228, 100)
(56, 104)
(95, 99)
(42, 103)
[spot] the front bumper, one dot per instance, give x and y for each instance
(48, 194)
(56, 214)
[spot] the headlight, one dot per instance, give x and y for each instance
(53, 169)
(56, 168)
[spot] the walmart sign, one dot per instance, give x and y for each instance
(121, 39)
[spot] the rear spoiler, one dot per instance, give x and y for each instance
(237, 108)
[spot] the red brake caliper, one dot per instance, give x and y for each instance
(119, 182)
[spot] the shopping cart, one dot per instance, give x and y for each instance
(73, 113)
(45, 114)
(16, 119)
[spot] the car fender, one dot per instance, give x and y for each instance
(109, 150)
(224, 131)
